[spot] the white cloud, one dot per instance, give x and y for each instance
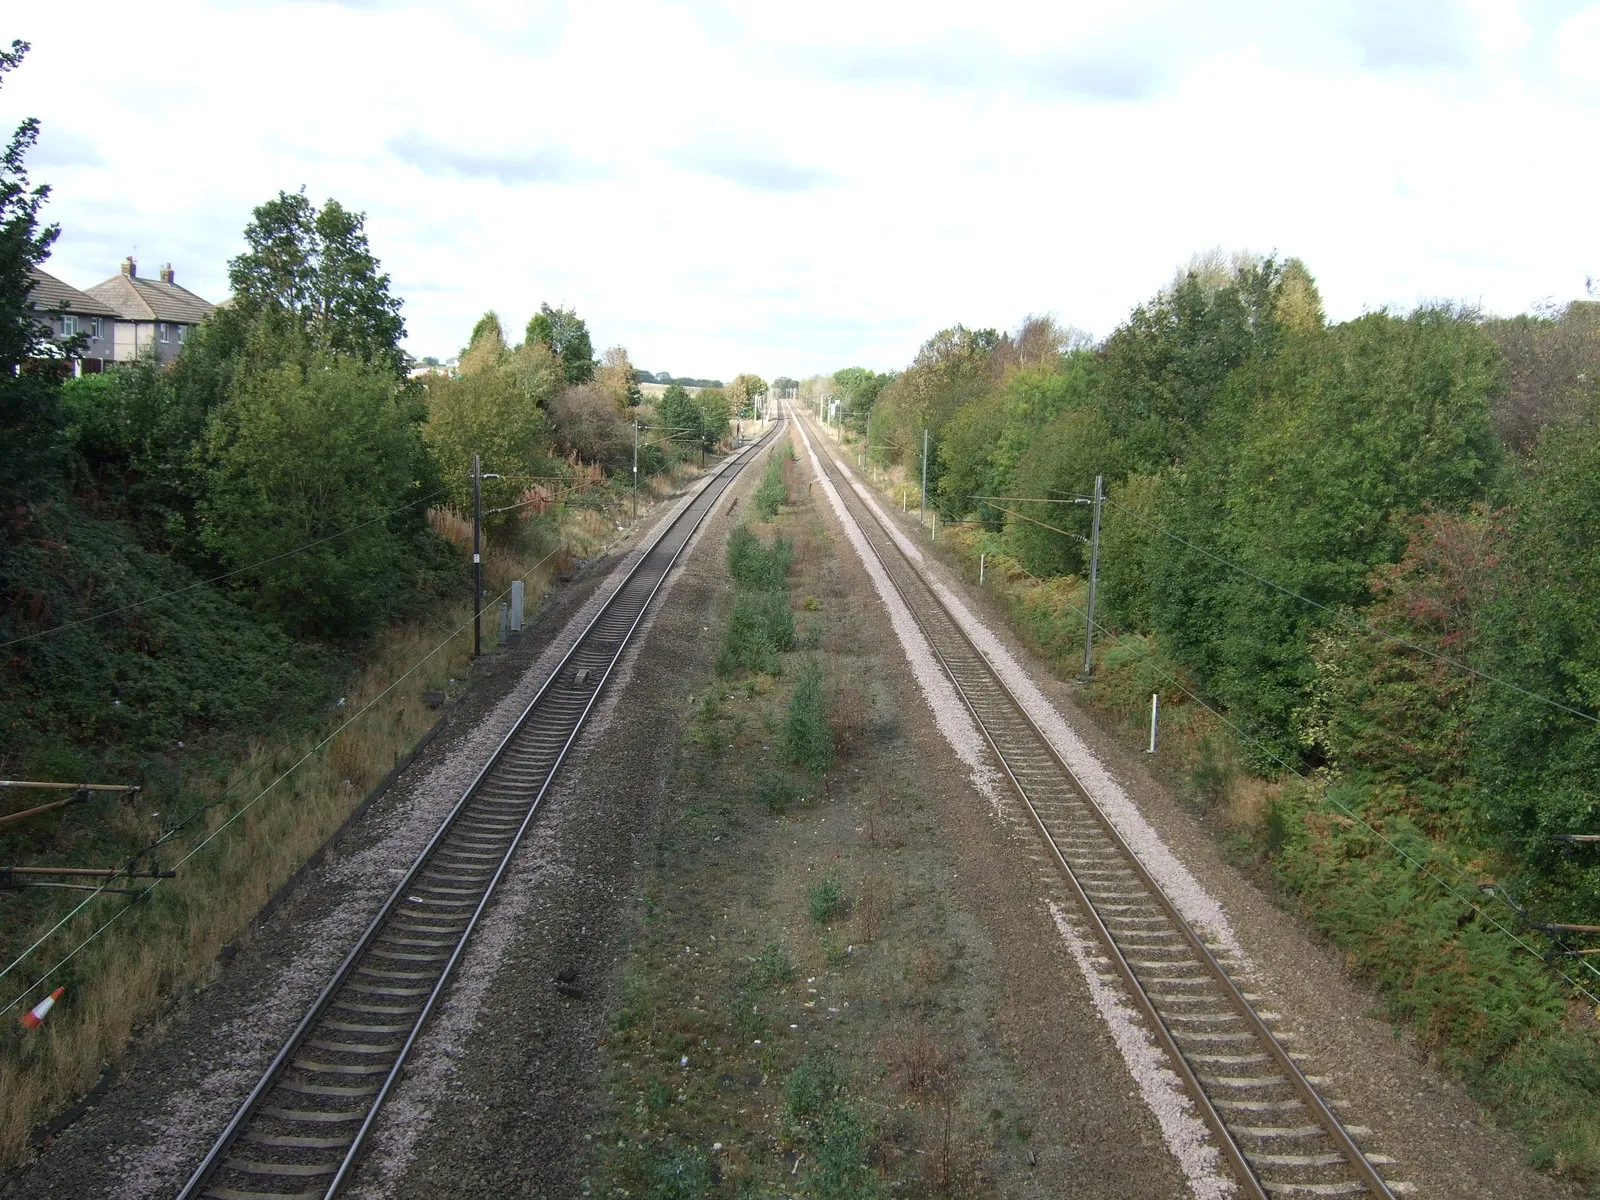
(789, 188)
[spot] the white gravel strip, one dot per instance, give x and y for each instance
(1185, 1134)
(1198, 906)
(949, 712)
(191, 1118)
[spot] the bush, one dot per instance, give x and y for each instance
(824, 900)
(307, 465)
(760, 627)
(772, 966)
(755, 567)
(681, 1174)
(804, 738)
(810, 1086)
(773, 492)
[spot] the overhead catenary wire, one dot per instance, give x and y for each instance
(1421, 867)
(200, 583)
(259, 796)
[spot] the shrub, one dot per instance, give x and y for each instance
(760, 627)
(825, 899)
(805, 739)
(839, 1152)
(810, 1086)
(773, 492)
(681, 1174)
(756, 567)
(772, 966)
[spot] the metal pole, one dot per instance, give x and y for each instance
(924, 502)
(477, 559)
(1094, 579)
(636, 468)
(1155, 712)
(981, 557)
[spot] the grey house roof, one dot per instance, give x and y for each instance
(48, 294)
(136, 299)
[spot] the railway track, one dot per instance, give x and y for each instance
(1266, 1115)
(300, 1132)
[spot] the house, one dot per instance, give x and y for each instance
(71, 313)
(150, 312)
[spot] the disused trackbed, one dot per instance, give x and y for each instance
(1265, 1114)
(299, 1133)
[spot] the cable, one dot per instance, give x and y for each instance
(1355, 620)
(112, 612)
(120, 913)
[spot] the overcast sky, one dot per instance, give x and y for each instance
(792, 188)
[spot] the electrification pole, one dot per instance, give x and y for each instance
(1094, 578)
(924, 502)
(477, 559)
(636, 468)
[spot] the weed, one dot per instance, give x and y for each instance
(657, 1095)
(810, 1086)
(840, 1148)
(777, 790)
(825, 899)
(918, 1066)
(805, 739)
(772, 966)
(680, 1174)
(873, 907)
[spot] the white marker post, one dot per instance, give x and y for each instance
(1155, 712)
(980, 570)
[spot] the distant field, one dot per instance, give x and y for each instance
(654, 391)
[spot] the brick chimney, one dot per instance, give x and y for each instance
(129, 268)
(166, 273)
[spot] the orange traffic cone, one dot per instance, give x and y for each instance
(35, 1016)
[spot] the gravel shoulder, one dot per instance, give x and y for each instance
(1445, 1142)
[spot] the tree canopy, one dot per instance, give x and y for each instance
(563, 331)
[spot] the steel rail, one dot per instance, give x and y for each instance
(1355, 1158)
(195, 1187)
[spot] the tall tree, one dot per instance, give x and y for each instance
(311, 272)
(564, 332)
(618, 377)
(29, 389)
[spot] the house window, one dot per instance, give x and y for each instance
(182, 329)
(97, 328)
(69, 326)
(163, 329)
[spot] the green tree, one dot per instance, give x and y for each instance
(30, 421)
(304, 453)
(486, 348)
(1537, 764)
(310, 272)
(1166, 367)
(563, 331)
(1307, 473)
(678, 417)
(745, 395)
(488, 414)
(715, 421)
